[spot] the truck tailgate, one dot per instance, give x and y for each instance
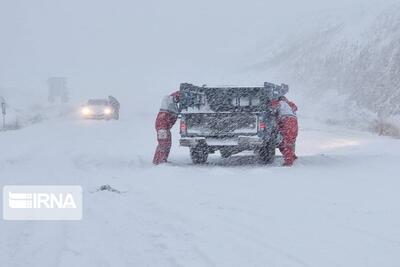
(221, 124)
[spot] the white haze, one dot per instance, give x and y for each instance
(139, 50)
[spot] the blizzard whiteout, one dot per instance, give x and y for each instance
(338, 205)
(42, 203)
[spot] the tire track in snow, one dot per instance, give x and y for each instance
(247, 233)
(172, 232)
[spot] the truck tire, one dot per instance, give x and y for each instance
(225, 153)
(199, 154)
(267, 153)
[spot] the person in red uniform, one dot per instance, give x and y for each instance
(166, 119)
(288, 127)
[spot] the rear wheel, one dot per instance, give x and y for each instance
(199, 154)
(267, 153)
(225, 153)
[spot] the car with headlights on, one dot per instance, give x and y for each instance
(98, 109)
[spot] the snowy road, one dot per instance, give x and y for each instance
(339, 206)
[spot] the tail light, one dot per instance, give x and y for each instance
(183, 127)
(262, 126)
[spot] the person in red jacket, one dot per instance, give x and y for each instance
(288, 127)
(166, 119)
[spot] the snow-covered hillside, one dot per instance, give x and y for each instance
(352, 51)
(337, 207)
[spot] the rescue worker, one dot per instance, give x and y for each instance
(166, 119)
(285, 111)
(115, 105)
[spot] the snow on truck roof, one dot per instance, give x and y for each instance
(224, 86)
(267, 89)
(228, 99)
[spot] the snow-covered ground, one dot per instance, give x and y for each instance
(338, 206)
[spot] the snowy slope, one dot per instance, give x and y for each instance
(337, 207)
(352, 51)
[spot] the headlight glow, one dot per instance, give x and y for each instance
(86, 111)
(107, 111)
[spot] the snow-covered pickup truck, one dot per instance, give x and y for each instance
(229, 119)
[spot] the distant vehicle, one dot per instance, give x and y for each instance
(99, 109)
(58, 89)
(229, 119)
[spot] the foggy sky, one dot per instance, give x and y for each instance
(127, 46)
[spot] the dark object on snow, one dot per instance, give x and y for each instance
(108, 188)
